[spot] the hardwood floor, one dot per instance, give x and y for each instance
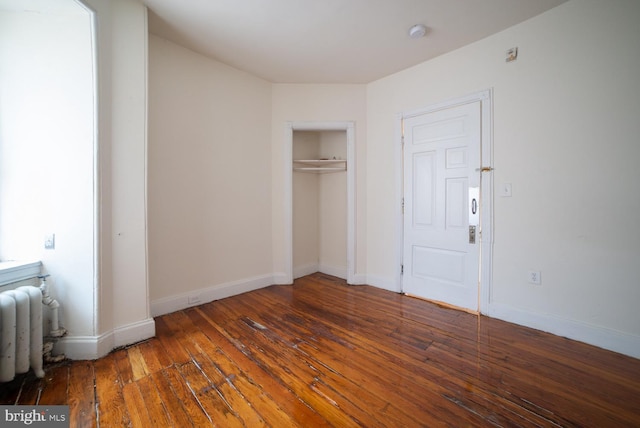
(321, 353)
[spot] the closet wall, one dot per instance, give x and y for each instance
(320, 204)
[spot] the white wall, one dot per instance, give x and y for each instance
(122, 314)
(209, 177)
(316, 103)
(128, 72)
(50, 125)
(47, 152)
(566, 136)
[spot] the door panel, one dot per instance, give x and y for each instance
(456, 200)
(441, 180)
(442, 265)
(424, 180)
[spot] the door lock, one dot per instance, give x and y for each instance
(472, 234)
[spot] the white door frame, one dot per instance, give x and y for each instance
(486, 188)
(351, 192)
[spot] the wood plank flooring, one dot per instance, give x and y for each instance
(321, 353)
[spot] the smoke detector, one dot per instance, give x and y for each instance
(417, 31)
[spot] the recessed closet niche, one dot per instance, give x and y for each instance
(319, 203)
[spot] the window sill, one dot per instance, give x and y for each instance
(17, 271)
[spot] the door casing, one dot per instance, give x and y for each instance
(486, 188)
(349, 128)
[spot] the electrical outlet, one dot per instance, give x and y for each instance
(534, 277)
(194, 299)
(50, 241)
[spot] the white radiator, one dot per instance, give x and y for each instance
(20, 332)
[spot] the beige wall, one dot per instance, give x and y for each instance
(209, 173)
(566, 128)
(211, 193)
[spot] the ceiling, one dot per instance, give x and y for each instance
(320, 41)
(331, 41)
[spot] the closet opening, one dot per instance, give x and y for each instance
(320, 182)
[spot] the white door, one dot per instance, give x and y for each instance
(442, 205)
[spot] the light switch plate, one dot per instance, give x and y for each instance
(50, 241)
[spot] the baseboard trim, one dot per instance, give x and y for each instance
(602, 337)
(132, 333)
(281, 278)
(181, 301)
(300, 271)
(383, 282)
(613, 340)
(358, 279)
(337, 271)
(92, 347)
(82, 347)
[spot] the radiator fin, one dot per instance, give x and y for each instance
(20, 332)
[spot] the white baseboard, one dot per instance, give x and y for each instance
(82, 347)
(92, 347)
(383, 282)
(358, 279)
(613, 340)
(281, 278)
(300, 271)
(181, 301)
(338, 271)
(132, 333)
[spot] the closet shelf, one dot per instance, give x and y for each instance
(319, 166)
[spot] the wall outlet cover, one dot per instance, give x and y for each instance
(50, 241)
(534, 277)
(194, 299)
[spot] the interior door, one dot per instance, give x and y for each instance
(441, 250)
